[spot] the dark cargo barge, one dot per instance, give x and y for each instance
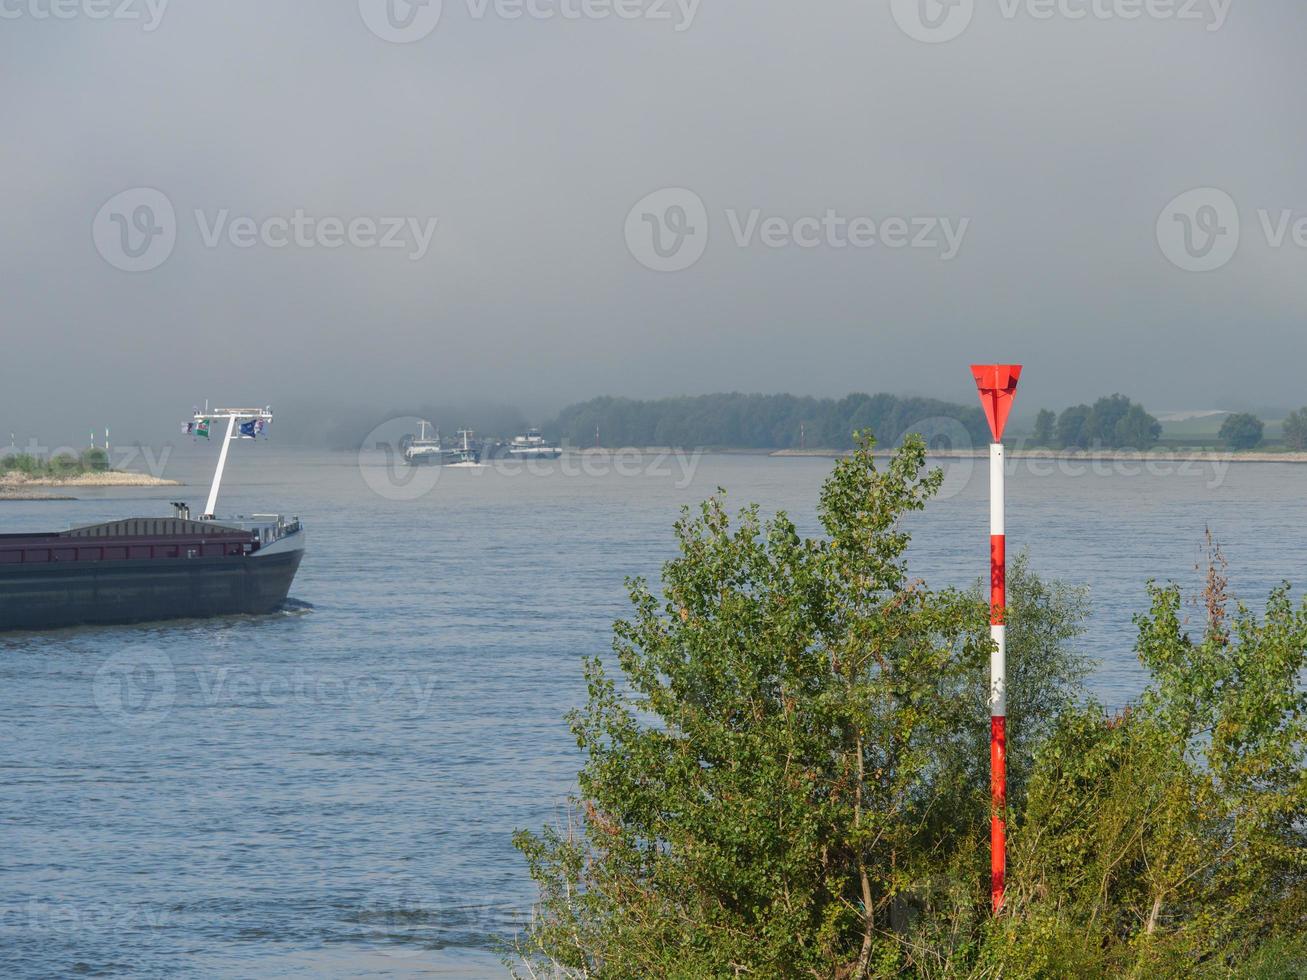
(145, 568)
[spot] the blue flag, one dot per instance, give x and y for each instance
(249, 429)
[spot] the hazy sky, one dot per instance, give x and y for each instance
(1047, 139)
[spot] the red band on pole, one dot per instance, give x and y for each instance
(997, 579)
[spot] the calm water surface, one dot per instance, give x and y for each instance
(331, 791)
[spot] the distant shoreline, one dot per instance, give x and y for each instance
(16, 486)
(1085, 456)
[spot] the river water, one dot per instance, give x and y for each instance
(332, 790)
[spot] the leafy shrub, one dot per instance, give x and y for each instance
(790, 777)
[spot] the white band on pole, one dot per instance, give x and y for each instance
(998, 672)
(996, 522)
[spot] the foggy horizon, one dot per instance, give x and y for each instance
(516, 162)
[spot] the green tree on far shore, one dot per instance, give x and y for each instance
(1045, 433)
(1113, 422)
(63, 465)
(1295, 430)
(1242, 431)
(1137, 430)
(94, 461)
(1072, 430)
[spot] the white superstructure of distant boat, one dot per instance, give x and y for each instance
(469, 455)
(532, 446)
(426, 450)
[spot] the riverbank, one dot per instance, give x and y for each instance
(1106, 456)
(19, 486)
(15, 493)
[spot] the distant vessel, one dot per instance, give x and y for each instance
(423, 450)
(470, 453)
(149, 568)
(532, 446)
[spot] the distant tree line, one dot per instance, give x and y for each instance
(765, 421)
(64, 465)
(1113, 422)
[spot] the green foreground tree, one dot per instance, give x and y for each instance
(789, 778)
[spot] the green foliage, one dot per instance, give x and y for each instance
(763, 421)
(790, 776)
(63, 465)
(94, 461)
(1295, 430)
(1137, 429)
(1071, 427)
(1045, 433)
(24, 463)
(1242, 431)
(1114, 422)
(1171, 839)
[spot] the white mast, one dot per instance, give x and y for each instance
(234, 417)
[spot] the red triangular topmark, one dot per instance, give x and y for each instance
(998, 386)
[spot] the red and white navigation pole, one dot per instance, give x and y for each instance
(998, 387)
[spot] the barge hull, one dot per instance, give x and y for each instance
(54, 595)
